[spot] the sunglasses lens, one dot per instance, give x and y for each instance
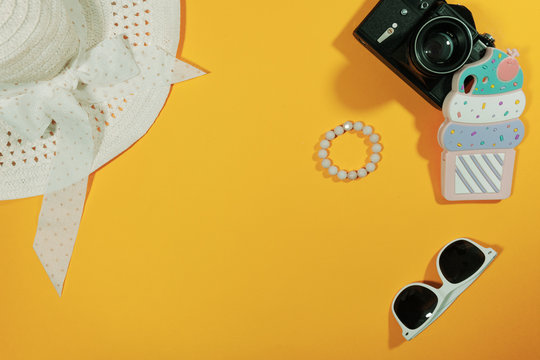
(460, 260)
(414, 305)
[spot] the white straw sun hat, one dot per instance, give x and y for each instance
(80, 81)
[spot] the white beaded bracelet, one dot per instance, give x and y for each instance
(370, 167)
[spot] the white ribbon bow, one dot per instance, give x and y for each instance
(29, 107)
(33, 105)
(111, 69)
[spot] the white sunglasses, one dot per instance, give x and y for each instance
(459, 263)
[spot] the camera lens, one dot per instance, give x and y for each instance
(442, 46)
(438, 47)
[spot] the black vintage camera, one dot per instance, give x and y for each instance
(423, 41)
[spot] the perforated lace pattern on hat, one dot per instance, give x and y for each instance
(131, 20)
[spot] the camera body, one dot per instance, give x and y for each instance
(424, 42)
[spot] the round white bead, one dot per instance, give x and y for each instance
(326, 163)
(323, 153)
(325, 144)
(342, 175)
(370, 167)
(330, 135)
(348, 126)
(358, 125)
(339, 130)
(374, 138)
(375, 158)
(376, 148)
(367, 130)
(352, 175)
(333, 170)
(362, 173)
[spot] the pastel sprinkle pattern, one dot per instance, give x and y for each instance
(455, 135)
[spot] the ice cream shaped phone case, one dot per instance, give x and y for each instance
(482, 128)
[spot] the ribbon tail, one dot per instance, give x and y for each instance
(58, 225)
(183, 71)
(64, 198)
(142, 69)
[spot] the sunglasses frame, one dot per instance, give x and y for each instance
(448, 292)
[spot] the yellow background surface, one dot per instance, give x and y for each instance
(217, 236)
